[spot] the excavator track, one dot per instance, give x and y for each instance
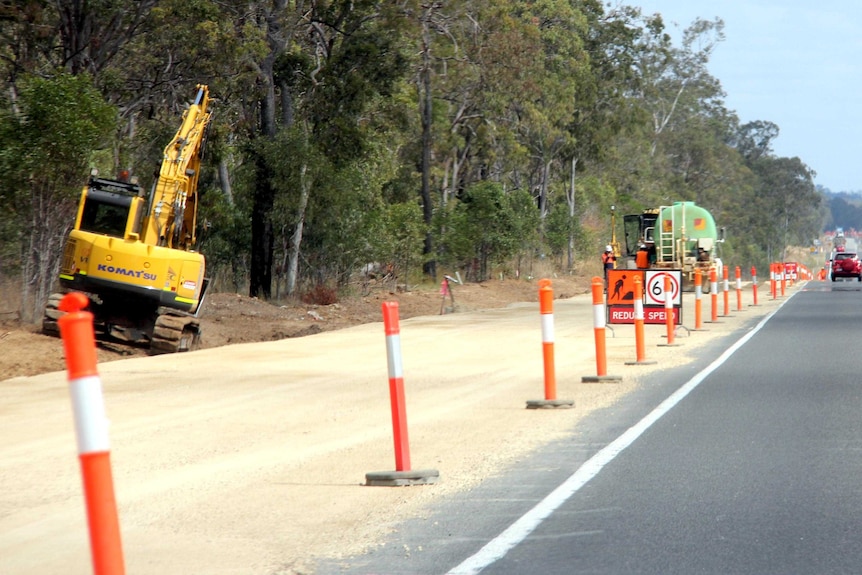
(51, 315)
(174, 332)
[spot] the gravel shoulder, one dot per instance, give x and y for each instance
(249, 458)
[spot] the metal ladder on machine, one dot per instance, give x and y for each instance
(666, 248)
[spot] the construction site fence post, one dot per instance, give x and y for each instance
(91, 429)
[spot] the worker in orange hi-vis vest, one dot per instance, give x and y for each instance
(608, 260)
(642, 257)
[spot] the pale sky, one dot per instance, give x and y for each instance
(795, 63)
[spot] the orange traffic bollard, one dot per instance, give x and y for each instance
(773, 279)
(725, 289)
(546, 310)
(599, 322)
(402, 475)
(738, 289)
(754, 285)
(713, 289)
(783, 276)
(668, 309)
(698, 296)
(640, 347)
(396, 385)
(91, 426)
(599, 329)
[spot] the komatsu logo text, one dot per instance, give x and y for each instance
(140, 274)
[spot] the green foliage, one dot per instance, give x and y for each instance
(50, 132)
(225, 240)
(401, 237)
(48, 135)
(486, 228)
(344, 217)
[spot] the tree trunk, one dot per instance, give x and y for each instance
(224, 181)
(430, 266)
(296, 238)
(262, 234)
(570, 199)
(49, 227)
(543, 191)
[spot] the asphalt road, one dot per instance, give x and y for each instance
(752, 466)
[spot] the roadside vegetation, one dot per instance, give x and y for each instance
(468, 136)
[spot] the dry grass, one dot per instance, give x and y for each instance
(10, 298)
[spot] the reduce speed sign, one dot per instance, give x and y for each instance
(655, 286)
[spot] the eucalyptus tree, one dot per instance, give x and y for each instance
(548, 110)
(691, 132)
(754, 139)
(603, 105)
(64, 120)
(487, 226)
(786, 203)
(46, 143)
(783, 207)
(475, 58)
(675, 79)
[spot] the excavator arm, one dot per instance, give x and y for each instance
(172, 218)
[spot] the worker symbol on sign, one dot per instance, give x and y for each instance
(618, 287)
(621, 286)
(655, 294)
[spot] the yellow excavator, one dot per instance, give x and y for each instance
(132, 253)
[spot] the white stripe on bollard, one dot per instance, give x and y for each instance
(599, 316)
(547, 328)
(91, 423)
(393, 354)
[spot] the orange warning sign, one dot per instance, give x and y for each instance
(621, 286)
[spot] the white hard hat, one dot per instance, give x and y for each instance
(608, 248)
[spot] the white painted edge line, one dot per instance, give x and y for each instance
(497, 548)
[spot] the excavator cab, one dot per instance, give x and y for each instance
(110, 208)
(639, 229)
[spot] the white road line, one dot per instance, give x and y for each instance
(497, 548)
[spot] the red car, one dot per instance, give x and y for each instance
(846, 265)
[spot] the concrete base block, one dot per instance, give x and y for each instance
(402, 478)
(601, 379)
(550, 403)
(644, 362)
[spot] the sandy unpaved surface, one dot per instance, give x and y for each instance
(251, 458)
